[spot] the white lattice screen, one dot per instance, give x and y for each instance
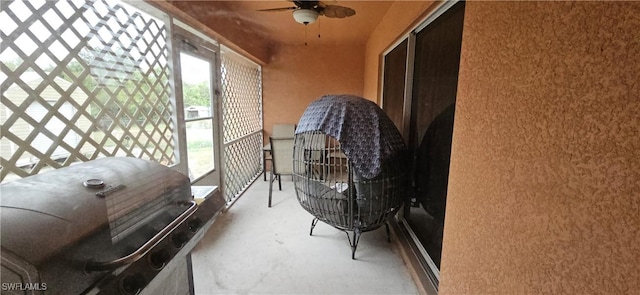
(242, 119)
(82, 80)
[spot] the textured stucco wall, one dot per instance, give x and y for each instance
(544, 188)
(298, 75)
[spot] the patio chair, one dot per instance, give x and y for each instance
(278, 131)
(283, 130)
(349, 165)
(281, 161)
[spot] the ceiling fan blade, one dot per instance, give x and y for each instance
(279, 9)
(337, 11)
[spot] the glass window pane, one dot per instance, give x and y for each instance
(196, 86)
(395, 68)
(200, 147)
(435, 78)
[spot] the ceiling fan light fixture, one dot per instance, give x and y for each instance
(305, 16)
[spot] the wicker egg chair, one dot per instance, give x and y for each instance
(349, 165)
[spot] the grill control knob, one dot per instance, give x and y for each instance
(194, 225)
(132, 284)
(179, 239)
(158, 259)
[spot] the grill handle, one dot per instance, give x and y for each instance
(146, 247)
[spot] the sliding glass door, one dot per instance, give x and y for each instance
(435, 84)
(428, 96)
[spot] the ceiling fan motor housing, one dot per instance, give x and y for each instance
(305, 16)
(307, 12)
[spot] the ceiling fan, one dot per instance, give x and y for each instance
(307, 12)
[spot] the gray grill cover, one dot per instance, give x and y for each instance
(366, 135)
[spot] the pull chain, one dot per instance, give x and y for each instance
(305, 34)
(318, 29)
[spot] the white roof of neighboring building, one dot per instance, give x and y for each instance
(33, 80)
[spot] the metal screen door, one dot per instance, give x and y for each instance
(198, 84)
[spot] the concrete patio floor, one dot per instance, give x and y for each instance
(252, 249)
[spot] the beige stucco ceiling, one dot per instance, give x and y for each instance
(280, 27)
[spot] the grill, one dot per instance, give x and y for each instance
(108, 226)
